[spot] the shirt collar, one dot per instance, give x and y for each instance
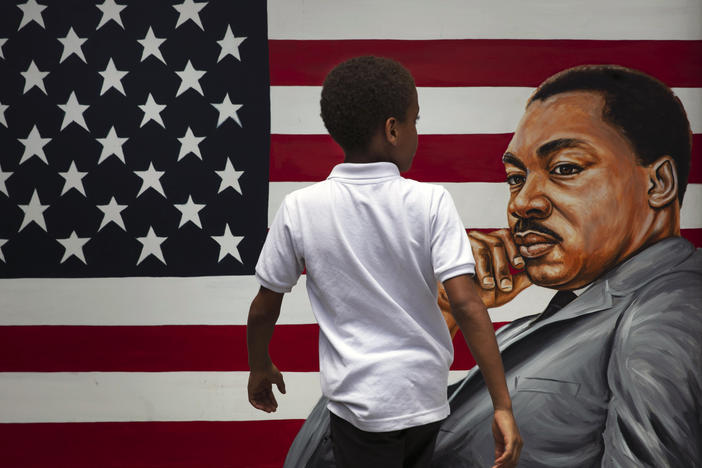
(360, 171)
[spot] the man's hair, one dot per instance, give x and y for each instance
(360, 94)
(643, 109)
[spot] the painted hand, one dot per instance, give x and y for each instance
(494, 253)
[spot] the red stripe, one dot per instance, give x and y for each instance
(440, 158)
(693, 235)
(212, 444)
(46, 348)
(294, 348)
(486, 62)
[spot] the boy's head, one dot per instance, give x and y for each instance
(367, 96)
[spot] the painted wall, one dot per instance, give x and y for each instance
(150, 369)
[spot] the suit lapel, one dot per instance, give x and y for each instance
(595, 299)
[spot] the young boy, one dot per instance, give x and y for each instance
(374, 245)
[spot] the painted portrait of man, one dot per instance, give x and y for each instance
(609, 373)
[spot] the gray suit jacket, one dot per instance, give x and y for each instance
(613, 379)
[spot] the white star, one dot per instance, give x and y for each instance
(2, 255)
(189, 212)
(151, 245)
(228, 244)
(3, 108)
(34, 145)
(112, 144)
(230, 177)
(2, 43)
(31, 11)
(113, 214)
(34, 211)
(3, 177)
(189, 10)
(189, 144)
(112, 78)
(151, 45)
(227, 110)
(74, 179)
(33, 77)
(110, 11)
(230, 45)
(150, 179)
(190, 79)
(74, 247)
(152, 111)
(72, 45)
(73, 112)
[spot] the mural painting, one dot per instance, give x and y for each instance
(146, 146)
(608, 374)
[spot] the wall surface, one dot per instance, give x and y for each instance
(125, 291)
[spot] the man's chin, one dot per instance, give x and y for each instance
(547, 274)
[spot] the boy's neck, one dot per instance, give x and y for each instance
(376, 152)
(364, 158)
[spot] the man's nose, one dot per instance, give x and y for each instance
(531, 201)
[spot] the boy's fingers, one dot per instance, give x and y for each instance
(281, 385)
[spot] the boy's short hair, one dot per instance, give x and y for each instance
(360, 94)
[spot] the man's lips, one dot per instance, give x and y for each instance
(534, 244)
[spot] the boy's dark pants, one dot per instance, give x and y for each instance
(406, 448)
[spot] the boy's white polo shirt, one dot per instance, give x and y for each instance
(374, 245)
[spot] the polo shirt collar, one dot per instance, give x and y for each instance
(360, 171)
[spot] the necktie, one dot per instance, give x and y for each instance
(559, 301)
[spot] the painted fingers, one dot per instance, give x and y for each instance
(494, 252)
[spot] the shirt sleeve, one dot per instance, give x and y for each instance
(450, 248)
(280, 263)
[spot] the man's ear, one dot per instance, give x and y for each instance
(391, 131)
(663, 179)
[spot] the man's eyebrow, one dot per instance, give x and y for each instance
(552, 146)
(510, 158)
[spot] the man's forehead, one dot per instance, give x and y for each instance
(567, 106)
(566, 116)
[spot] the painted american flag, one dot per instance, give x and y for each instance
(145, 147)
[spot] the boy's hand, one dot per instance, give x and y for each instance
(261, 388)
(494, 253)
(508, 442)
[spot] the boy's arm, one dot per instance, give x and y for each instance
(473, 320)
(263, 313)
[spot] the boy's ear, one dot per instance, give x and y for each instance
(391, 131)
(663, 180)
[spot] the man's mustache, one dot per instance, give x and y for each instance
(527, 224)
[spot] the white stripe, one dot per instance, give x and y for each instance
(473, 19)
(482, 204)
(445, 110)
(221, 300)
(171, 301)
(146, 396)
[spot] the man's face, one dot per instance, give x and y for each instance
(578, 198)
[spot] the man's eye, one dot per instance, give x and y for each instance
(566, 169)
(515, 179)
